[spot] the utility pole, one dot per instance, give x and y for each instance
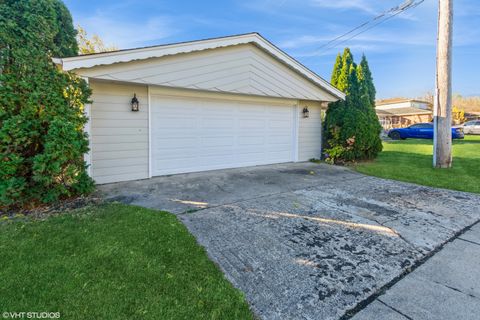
(442, 113)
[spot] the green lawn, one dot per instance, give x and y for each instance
(112, 262)
(411, 160)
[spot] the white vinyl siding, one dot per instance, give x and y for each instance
(194, 131)
(119, 137)
(242, 69)
(310, 132)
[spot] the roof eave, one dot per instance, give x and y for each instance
(404, 114)
(106, 58)
(58, 61)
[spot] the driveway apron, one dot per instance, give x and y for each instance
(307, 241)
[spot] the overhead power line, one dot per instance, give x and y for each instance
(370, 24)
(375, 24)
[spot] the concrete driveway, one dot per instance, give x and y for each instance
(307, 241)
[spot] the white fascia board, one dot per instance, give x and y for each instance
(106, 58)
(57, 61)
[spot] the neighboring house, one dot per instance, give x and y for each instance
(399, 113)
(210, 104)
(472, 116)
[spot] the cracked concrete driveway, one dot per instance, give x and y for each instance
(307, 241)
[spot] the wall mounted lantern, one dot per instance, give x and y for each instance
(135, 103)
(305, 112)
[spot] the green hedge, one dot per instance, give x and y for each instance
(41, 108)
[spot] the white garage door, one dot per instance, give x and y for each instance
(190, 135)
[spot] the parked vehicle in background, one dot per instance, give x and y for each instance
(421, 131)
(471, 127)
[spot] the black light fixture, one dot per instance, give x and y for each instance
(305, 112)
(135, 103)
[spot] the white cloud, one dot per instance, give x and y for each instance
(362, 5)
(376, 38)
(305, 40)
(360, 47)
(274, 6)
(124, 33)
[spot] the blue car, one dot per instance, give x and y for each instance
(421, 131)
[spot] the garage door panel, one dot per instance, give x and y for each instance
(206, 155)
(219, 109)
(252, 158)
(279, 153)
(167, 143)
(250, 149)
(217, 122)
(278, 131)
(216, 160)
(190, 135)
(166, 166)
(251, 140)
(279, 123)
(251, 123)
(216, 132)
(171, 134)
(278, 139)
(167, 123)
(174, 154)
(218, 141)
(272, 156)
(251, 109)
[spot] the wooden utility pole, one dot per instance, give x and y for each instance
(442, 113)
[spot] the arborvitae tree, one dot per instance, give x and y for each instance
(347, 61)
(352, 130)
(353, 87)
(42, 142)
(337, 68)
(365, 78)
(368, 92)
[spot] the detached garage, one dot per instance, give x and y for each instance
(202, 105)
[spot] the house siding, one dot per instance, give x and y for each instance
(119, 137)
(244, 69)
(310, 131)
(390, 122)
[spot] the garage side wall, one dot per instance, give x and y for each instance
(309, 131)
(119, 137)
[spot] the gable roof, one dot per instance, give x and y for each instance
(402, 111)
(398, 100)
(108, 58)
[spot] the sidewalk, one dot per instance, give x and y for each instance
(446, 286)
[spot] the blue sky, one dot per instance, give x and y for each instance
(401, 51)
